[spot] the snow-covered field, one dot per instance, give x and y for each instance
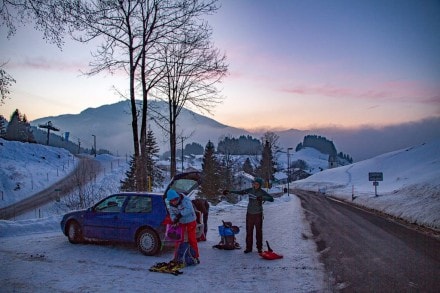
(410, 188)
(37, 257)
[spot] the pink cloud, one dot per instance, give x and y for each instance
(331, 91)
(42, 63)
(403, 91)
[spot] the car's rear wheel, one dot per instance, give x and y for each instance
(74, 232)
(148, 242)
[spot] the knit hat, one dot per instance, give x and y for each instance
(172, 194)
(259, 181)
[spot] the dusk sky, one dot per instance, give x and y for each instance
(292, 64)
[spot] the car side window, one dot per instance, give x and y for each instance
(139, 204)
(112, 204)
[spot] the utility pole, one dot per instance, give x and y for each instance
(288, 171)
(49, 127)
(182, 154)
(94, 143)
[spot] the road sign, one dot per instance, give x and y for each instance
(375, 176)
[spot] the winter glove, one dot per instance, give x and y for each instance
(260, 199)
(225, 192)
(177, 218)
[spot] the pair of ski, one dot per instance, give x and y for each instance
(171, 267)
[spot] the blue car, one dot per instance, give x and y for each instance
(131, 217)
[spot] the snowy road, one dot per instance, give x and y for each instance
(367, 253)
(81, 175)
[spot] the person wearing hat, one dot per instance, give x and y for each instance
(182, 212)
(254, 214)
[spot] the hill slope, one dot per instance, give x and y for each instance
(112, 126)
(410, 188)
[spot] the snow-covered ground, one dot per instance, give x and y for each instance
(37, 257)
(27, 168)
(410, 188)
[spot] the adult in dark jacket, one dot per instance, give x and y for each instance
(254, 214)
(202, 205)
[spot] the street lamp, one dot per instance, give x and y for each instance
(182, 153)
(288, 171)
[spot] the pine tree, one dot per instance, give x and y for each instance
(247, 167)
(2, 126)
(226, 172)
(267, 164)
(129, 183)
(19, 128)
(210, 176)
(28, 130)
(153, 172)
(15, 130)
(155, 177)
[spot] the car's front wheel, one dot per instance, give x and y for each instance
(148, 242)
(74, 233)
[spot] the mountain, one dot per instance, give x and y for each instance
(112, 126)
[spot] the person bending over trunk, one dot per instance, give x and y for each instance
(202, 205)
(182, 212)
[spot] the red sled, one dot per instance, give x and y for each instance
(269, 254)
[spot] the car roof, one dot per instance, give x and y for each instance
(140, 193)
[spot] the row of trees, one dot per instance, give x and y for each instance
(244, 145)
(320, 143)
(218, 170)
(323, 145)
(164, 47)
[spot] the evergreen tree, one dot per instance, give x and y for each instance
(28, 130)
(226, 172)
(193, 149)
(210, 183)
(19, 128)
(153, 172)
(247, 167)
(129, 183)
(267, 164)
(2, 126)
(155, 177)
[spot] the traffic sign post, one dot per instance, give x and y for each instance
(375, 177)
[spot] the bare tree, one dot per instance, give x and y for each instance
(45, 17)
(5, 83)
(193, 69)
(130, 33)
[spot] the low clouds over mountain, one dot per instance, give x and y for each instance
(112, 126)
